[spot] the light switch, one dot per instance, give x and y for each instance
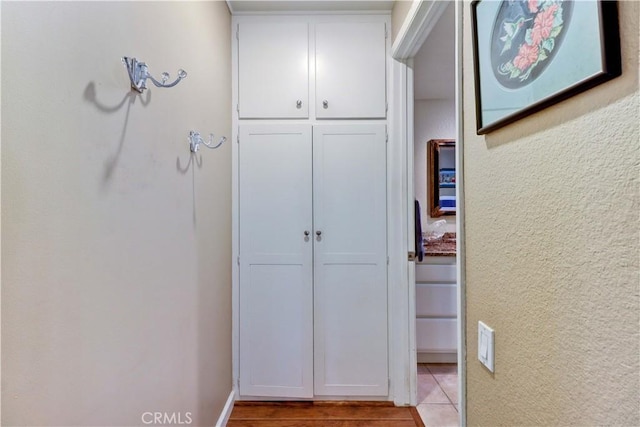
(485, 346)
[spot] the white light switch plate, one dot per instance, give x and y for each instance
(485, 346)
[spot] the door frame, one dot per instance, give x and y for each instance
(420, 20)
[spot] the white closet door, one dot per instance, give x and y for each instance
(276, 289)
(350, 264)
(273, 70)
(350, 70)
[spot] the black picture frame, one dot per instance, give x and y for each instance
(513, 81)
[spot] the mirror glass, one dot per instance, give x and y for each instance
(441, 177)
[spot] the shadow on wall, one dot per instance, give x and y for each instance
(110, 164)
(194, 161)
(90, 96)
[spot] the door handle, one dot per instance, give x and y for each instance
(306, 233)
(412, 256)
(318, 233)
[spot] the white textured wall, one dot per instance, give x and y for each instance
(552, 252)
(433, 119)
(116, 246)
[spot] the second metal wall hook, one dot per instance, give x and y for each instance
(195, 139)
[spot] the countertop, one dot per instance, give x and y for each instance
(445, 246)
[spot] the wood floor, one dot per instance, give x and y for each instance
(322, 414)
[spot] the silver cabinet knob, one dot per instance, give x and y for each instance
(325, 104)
(299, 103)
(306, 232)
(318, 233)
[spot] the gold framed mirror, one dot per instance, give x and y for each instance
(441, 177)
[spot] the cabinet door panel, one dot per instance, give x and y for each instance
(273, 70)
(350, 70)
(276, 289)
(350, 275)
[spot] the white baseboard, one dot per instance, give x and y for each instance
(437, 358)
(226, 411)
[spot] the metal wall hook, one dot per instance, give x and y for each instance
(195, 139)
(139, 73)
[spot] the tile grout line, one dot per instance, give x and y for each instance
(441, 388)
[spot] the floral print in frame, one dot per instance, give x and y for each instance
(526, 36)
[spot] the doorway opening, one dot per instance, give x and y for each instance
(429, 48)
(434, 187)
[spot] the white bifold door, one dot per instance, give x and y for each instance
(276, 261)
(313, 261)
(350, 260)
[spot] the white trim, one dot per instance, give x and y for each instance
(420, 20)
(395, 331)
(438, 358)
(460, 214)
(230, 6)
(226, 411)
(411, 266)
(311, 19)
(352, 398)
(312, 13)
(399, 332)
(307, 7)
(235, 215)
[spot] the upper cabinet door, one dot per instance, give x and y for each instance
(350, 70)
(273, 70)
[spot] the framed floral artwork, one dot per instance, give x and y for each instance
(530, 54)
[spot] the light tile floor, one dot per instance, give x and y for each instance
(438, 394)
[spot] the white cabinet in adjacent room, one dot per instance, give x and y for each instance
(313, 196)
(436, 310)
